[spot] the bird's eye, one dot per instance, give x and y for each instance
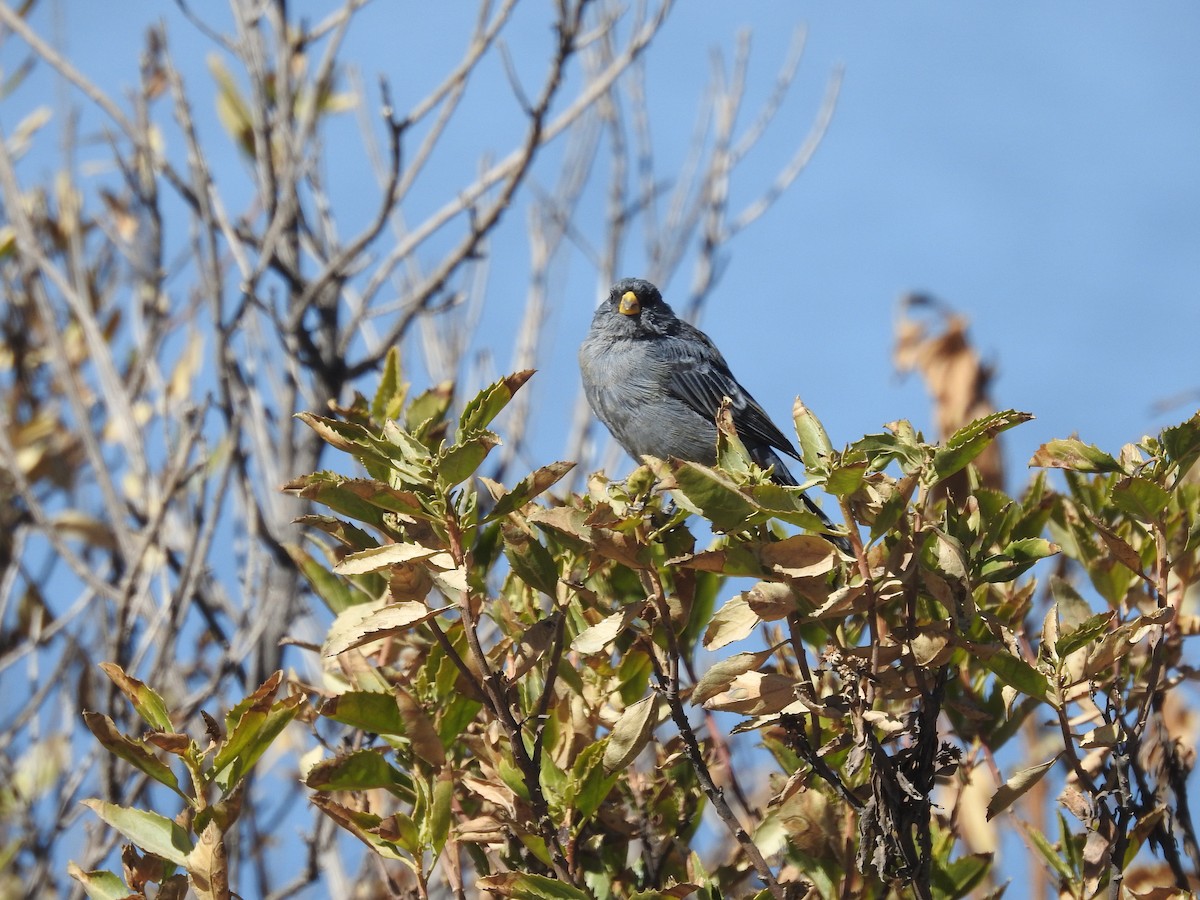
(629, 305)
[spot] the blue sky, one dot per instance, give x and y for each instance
(1036, 166)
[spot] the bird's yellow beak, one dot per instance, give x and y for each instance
(629, 305)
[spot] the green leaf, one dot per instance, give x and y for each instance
(1075, 455)
(630, 734)
(1140, 498)
(150, 831)
(350, 438)
(148, 704)
(1182, 443)
(972, 439)
(488, 403)
(359, 770)
(439, 809)
(1016, 558)
(428, 409)
(457, 463)
(1088, 632)
(960, 877)
(901, 446)
(846, 478)
(99, 885)
(255, 728)
(709, 492)
(530, 561)
(530, 887)
(136, 753)
(1016, 673)
(532, 485)
(369, 711)
(815, 447)
(592, 784)
(333, 490)
(389, 396)
(335, 592)
(1050, 854)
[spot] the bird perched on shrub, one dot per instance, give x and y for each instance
(657, 383)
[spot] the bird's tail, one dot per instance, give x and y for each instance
(783, 475)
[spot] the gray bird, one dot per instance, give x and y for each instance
(657, 383)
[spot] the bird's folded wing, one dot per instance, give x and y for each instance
(701, 379)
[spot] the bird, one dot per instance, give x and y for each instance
(657, 383)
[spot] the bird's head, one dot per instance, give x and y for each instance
(638, 305)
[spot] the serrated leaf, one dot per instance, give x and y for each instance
(457, 463)
(1140, 498)
(529, 487)
(329, 489)
(375, 558)
(488, 403)
(362, 624)
(972, 439)
(708, 492)
(133, 752)
(149, 705)
(428, 408)
(1182, 443)
(389, 396)
(148, 830)
(530, 887)
(349, 438)
(816, 450)
(1075, 455)
(1088, 632)
(1017, 785)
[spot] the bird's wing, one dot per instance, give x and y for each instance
(700, 377)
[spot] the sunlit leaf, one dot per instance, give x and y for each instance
(1017, 785)
(149, 705)
(630, 734)
(153, 833)
(133, 752)
(1075, 455)
(531, 486)
(486, 405)
(971, 440)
